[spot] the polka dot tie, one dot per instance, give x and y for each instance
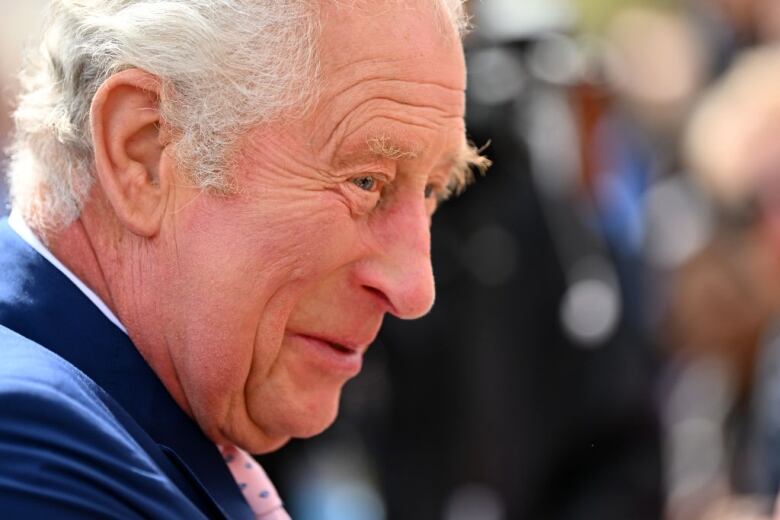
(254, 484)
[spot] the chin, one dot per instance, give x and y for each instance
(313, 418)
(315, 422)
(300, 420)
(315, 428)
(267, 445)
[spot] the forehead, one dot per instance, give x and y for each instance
(402, 35)
(387, 63)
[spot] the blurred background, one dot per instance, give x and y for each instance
(605, 343)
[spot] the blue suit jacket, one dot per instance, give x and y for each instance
(87, 430)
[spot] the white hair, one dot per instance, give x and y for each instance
(225, 66)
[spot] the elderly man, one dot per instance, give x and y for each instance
(215, 202)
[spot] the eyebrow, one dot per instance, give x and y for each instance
(464, 163)
(386, 148)
(381, 147)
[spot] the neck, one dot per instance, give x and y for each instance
(98, 250)
(90, 247)
(74, 247)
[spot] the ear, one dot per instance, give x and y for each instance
(129, 149)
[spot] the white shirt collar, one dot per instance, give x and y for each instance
(21, 228)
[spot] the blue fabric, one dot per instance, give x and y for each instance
(87, 429)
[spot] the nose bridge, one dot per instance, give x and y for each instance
(408, 274)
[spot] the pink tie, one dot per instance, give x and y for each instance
(254, 484)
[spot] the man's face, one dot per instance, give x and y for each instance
(280, 289)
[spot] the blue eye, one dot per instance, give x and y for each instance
(367, 183)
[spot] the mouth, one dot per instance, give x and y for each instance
(338, 357)
(340, 348)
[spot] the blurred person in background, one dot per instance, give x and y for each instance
(725, 301)
(742, 22)
(647, 213)
(653, 69)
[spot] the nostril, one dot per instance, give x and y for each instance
(381, 296)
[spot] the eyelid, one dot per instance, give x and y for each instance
(366, 167)
(381, 178)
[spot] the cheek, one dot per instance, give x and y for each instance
(259, 242)
(242, 266)
(308, 238)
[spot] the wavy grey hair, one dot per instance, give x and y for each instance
(225, 66)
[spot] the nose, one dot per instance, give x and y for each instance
(400, 271)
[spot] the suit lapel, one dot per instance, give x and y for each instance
(40, 303)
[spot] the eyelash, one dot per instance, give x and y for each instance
(376, 186)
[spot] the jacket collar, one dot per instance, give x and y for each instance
(40, 303)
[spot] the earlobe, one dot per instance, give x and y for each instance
(130, 151)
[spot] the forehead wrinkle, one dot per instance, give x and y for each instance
(374, 86)
(399, 145)
(454, 89)
(346, 128)
(368, 60)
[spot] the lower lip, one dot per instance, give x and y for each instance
(347, 363)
